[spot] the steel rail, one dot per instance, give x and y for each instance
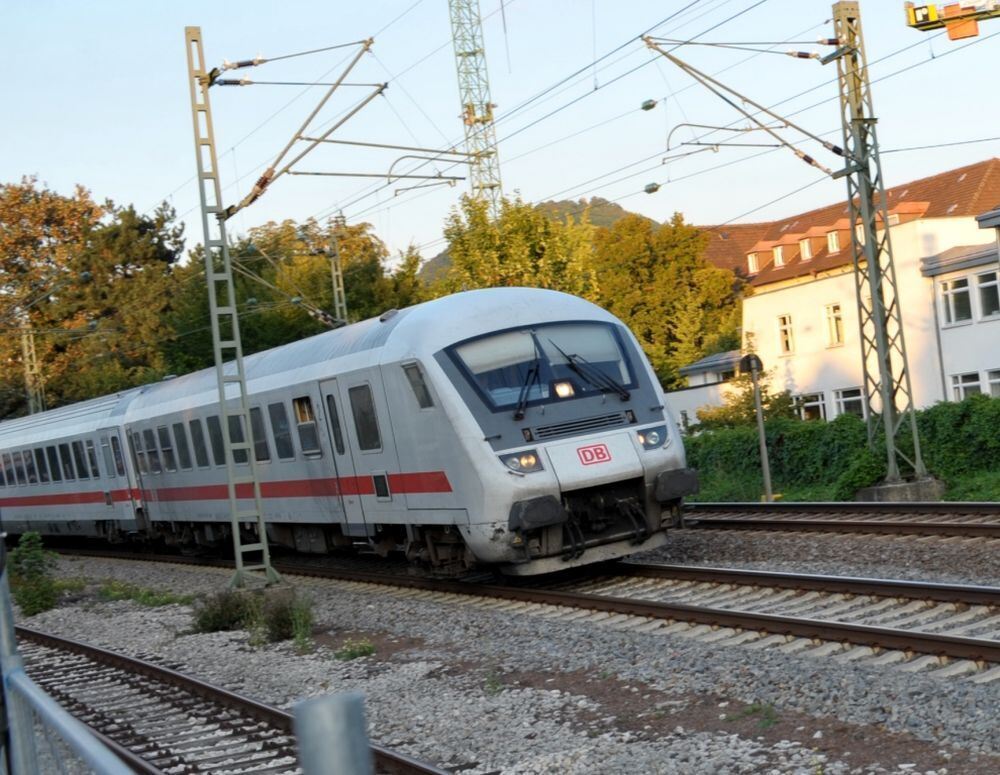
(386, 759)
(979, 508)
(864, 635)
(958, 529)
(915, 590)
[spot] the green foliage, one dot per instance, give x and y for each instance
(493, 684)
(273, 615)
(832, 461)
(352, 649)
(287, 614)
(738, 407)
(765, 714)
(119, 590)
(31, 580)
(224, 611)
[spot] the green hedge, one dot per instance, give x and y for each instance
(831, 461)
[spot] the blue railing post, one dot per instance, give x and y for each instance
(332, 737)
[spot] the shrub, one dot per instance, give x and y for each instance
(352, 649)
(119, 590)
(270, 616)
(32, 584)
(228, 610)
(287, 614)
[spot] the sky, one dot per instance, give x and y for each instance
(96, 94)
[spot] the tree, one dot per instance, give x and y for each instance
(521, 247)
(739, 408)
(679, 306)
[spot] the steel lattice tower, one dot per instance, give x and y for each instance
(32, 371)
(883, 350)
(477, 109)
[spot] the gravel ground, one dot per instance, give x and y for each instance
(949, 560)
(489, 692)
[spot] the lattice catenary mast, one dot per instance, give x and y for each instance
(477, 108)
(883, 349)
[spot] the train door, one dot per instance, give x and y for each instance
(117, 488)
(367, 432)
(343, 463)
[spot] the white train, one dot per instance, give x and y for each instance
(513, 427)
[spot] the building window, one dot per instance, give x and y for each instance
(859, 232)
(993, 378)
(832, 242)
(834, 325)
(805, 248)
(894, 219)
(956, 300)
(965, 385)
(752, 263)
(786, 341)
(989, 294)
(850, 401)
(811, 406)
(779, 255)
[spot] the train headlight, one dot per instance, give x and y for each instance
(651, 438)
(523, 462)
(563, 389)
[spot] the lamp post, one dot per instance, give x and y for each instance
(753, 364)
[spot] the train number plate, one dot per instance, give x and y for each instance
(593, 454)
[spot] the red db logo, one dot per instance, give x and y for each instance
(595, 453)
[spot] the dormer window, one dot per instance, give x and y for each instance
(752, 263)
(894, 219)
(779, 258)
(859, 232)
(832, 242)
(805, 248)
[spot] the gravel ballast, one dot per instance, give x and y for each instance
(488, 691)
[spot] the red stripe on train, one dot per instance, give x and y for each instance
(399, 484)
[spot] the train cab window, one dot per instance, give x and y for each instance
(365, 421)
(198, 439)
(261, 452)
(166, 448)
(416, 379)
(78, 458)
(338, 435)
(183, 450)
(67, 462)
(215, 436)
(41, 465)
(116, 451)
(92, 459)
(8, 468)
(54, 467)
(305, 418)
(237, 436)
(282, 431)
(135, 441)
(152, 453)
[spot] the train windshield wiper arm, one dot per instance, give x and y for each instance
(593, 375)
(529, 379)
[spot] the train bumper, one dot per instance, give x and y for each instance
(674, 485)
(535, 513)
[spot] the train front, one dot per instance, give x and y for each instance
(584, 463)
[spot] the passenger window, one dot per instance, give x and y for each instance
(116, 450)
(138, 453)
(237, 436)
(3, 478)
(166, 448)
(215, 437)
(106, 454)
(8, 467)
(92, 459)
(282, 431)
(416, 379)
(81, 463)
(152, 453)
(19, 468)
(29, 468)
(365, 422)
(198, 439)
(305, 418)
(67, 462)
(41, 465)
(54, 464)
(261, 452)
(338, 434)
(183, 450)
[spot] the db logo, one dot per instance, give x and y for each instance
(595, 453)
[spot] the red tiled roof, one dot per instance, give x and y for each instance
(966, 191)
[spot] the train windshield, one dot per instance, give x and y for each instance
(542, 363)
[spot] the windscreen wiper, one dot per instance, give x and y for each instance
(593, 375)
(529, 379)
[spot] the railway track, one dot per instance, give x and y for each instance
(158, 720)
(968, 520)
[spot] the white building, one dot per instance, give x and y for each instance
(802, 317)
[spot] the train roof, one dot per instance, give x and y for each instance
(415, 332)
(70, 420)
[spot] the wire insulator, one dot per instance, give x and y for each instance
(802, 54)
(828, 41)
